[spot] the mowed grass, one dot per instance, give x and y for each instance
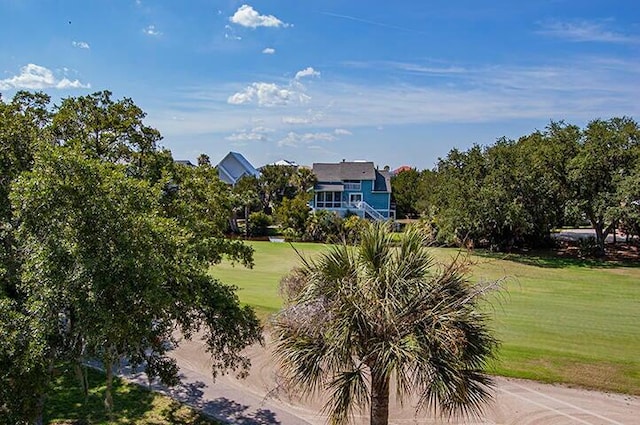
(66, 405)
(559, 320)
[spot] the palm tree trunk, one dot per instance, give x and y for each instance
(379, 400)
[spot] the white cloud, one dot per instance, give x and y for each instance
(262, 129)
(583, 30)
(258, 134)
(297, 120)
(311, 116)
(575, 89)
(267, 94)
(246, 137)
(308, 72)
(268, 51)
(247, 16)
(342, 132)
(80, 44)
(36, 77)
(295, 139)
(152, 31)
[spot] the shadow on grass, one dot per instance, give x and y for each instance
(554, 259)
(133, 404)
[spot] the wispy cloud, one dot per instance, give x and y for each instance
(576, 89)
(36, 77)
(152, 31)
(342, 132)
(308, 117)
(247, 16)
(268, 50)
(294, 139)
(230, 34)
(585, 31)
(370, 22)
(307, 72)
(80, 44)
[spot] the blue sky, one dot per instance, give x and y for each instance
(395, 82)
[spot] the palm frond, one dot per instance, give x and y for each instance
(349, 390)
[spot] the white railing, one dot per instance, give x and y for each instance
(356, 206)
(370, 210)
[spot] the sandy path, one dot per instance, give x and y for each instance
(257, 401)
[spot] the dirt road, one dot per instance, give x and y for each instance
(256, 400)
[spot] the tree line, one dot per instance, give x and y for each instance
(105, 246)
(513, 193)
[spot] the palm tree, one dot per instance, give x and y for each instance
(358, 319)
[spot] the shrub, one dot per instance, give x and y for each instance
(588, 247)
(291, 234)
(259, 223)
(293, 213)
(352, 227)
(323, 226)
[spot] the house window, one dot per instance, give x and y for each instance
(352, 185)
(328, 199)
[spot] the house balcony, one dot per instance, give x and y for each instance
(360, 208)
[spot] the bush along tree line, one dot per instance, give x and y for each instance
(105, 249)
(515, 192)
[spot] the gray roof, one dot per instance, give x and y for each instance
(344, 171)
(184, 162)
(383, 181)
(341, 171)
(234, 166)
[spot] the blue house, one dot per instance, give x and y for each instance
(357, 187)
(233, 167)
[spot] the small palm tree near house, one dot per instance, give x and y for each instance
(362, 320)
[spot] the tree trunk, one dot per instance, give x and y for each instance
(39, 419)
(39, 412)
(108, 394)
(379, 400)
(82, 379)
(598, 226)
(246, 221)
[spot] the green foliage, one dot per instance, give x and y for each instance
(323, 226)
(514, 193)
(588, 247)
(105, 129)
(280, 182)
(259, 223)
(608, 154)
(404, 189)
(352, 228)
(368, 315)
(293, 213)
(629, 208)
(106, 247)
(136, 404)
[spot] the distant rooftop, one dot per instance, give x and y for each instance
(234, 166)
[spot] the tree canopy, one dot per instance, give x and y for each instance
(108, 246)
(513, 193)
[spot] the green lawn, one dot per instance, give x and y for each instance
(559, 320)
(133, 404)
